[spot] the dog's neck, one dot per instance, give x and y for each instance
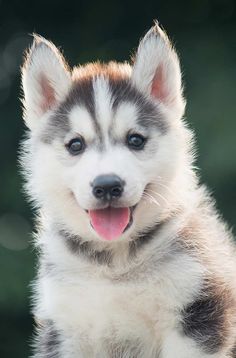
(94, 251)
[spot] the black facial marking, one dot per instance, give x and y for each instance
(81, 93)
(204, 321)
(148, 114)
(48, 341)
(57, 127)
(85, 249)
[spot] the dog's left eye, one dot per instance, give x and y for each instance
(136, 141)
(75, 146)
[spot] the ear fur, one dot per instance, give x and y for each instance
(156, 70)
(45, 80)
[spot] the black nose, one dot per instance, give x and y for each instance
(107, 187)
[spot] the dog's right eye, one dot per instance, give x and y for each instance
(76, 146)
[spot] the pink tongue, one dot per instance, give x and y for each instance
(111, 222)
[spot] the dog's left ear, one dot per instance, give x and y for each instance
(156, 71)
(46, 80)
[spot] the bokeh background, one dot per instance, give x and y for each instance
(204, 32)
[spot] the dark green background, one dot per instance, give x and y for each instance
(204, 32)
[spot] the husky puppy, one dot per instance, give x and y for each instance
(135, 262)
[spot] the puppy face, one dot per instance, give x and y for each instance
(104, 143)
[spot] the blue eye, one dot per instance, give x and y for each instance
(136, 141)
(76, 146)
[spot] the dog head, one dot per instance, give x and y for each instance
(106, 140)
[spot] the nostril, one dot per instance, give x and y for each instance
(99, 192)
(107, 187)
(116, 191)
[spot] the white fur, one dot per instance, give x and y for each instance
(125, 118)
(81, 123)
(102, 102)
(176, 346)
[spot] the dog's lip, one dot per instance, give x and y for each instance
(131, 208)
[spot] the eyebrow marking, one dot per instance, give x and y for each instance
(81, 122)
(148, 113)
(82, 93)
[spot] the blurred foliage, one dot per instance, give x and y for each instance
(204, 32)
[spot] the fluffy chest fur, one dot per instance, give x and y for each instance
(136, 297)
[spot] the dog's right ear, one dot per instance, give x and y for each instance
(46, 80)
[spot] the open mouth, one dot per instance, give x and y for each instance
(110, 223)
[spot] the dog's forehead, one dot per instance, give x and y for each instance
(99, 102)
(102, 116)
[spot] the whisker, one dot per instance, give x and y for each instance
(161, 196)
(165, 187)
(150, 197)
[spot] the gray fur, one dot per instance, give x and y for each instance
(149, 115)
(81, 93)
(233, 354)
(86, 250)
(48, 341)
(58, 126)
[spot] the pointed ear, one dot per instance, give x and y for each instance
(46, 80)
(156, 71)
